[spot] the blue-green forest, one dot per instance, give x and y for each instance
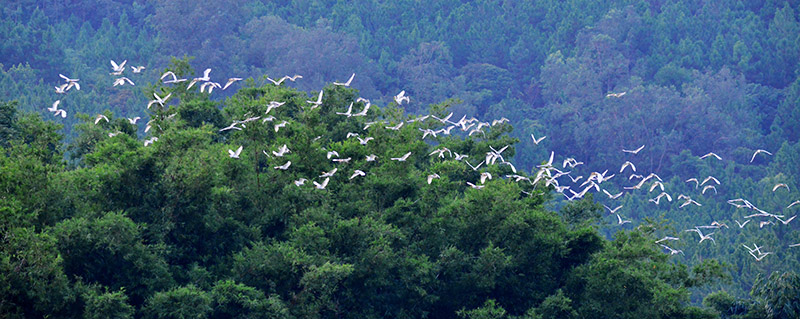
(399, 159)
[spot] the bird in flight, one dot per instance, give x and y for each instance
(475, 186)
(100, 117)
(284, 166)
(357, 173)
(401, 158)
(615, 196)
(330, 173)
(138, 69)
(636, 151)
(118, 68)
(627, 164)
(702, 237)
(318, 101)
(323, 184)
(711, 154)
(400, 97)
(235, 154)
(667, 238)
(431, 177)
(672, 251)
(230, 81)
(757, 152)
(620, 221)
(741, 225)
(616, 95)
(535, 141)
(779, 185)
(122, 81)
(346, 83)
(612, 211)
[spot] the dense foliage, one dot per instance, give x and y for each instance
(179, 229)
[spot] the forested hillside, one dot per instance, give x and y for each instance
(629, 159)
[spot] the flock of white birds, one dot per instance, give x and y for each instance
(548, 174)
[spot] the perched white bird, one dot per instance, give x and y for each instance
(346, 83)
(357, 173)
(284, 166)
(401, 158)
(636, 151)
(235, 154)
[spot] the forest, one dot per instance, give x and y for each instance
(613, 159)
